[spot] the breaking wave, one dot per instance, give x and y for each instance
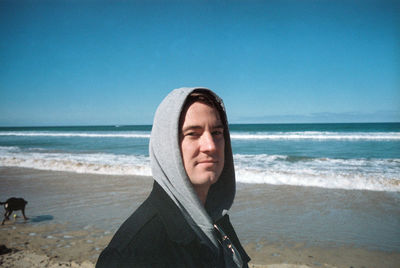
(351, 174)
(303, 135)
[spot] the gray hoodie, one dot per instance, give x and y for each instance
(168, 169)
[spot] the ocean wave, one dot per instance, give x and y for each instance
(351, 174)
(304, 135)
(330, 181)
(76, 134)
(316, 135)
(97, 163)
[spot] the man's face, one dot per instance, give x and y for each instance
(202, 144)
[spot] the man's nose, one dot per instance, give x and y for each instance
(207, 143)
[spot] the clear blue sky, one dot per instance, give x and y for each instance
(112, 62)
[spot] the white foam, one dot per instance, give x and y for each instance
(354, 174)
(360, 174)
(80, 163)
(331, 181)
(316, 135)
(78, 134)
(304, 135)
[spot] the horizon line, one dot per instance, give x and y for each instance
(271, 123)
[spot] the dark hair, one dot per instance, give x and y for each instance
(207, 98)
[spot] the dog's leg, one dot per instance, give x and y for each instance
(23, 214)
(5, 217)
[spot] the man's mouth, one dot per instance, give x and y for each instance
(210, 162)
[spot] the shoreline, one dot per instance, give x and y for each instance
(93, 201)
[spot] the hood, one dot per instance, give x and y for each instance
(168, 169)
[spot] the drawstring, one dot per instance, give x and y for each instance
(228, 248)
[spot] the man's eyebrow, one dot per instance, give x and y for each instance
(218, 126)
(191, 127)
(194, 127)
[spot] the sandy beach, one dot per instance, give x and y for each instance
(73, 217)
(48, 246)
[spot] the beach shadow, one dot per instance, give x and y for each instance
(41, 218)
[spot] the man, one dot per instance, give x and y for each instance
(183, 223)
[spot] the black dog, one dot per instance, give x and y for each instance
(13, 204)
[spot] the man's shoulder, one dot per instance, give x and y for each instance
(139, 226)
(139, 238)
(156, 231)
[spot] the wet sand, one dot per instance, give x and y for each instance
(49, 246)
(73, 217)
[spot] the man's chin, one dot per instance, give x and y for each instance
(207, 178)
(212, 178)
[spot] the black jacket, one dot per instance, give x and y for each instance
(157, 235)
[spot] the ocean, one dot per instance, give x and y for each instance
(323, 185)
(364, 156)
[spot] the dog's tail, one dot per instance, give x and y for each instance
(2, 203)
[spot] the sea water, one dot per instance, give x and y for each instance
(364, 156)
(317, 184)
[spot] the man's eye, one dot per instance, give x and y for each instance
(217, 132)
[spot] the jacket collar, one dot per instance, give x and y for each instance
(178, 229)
